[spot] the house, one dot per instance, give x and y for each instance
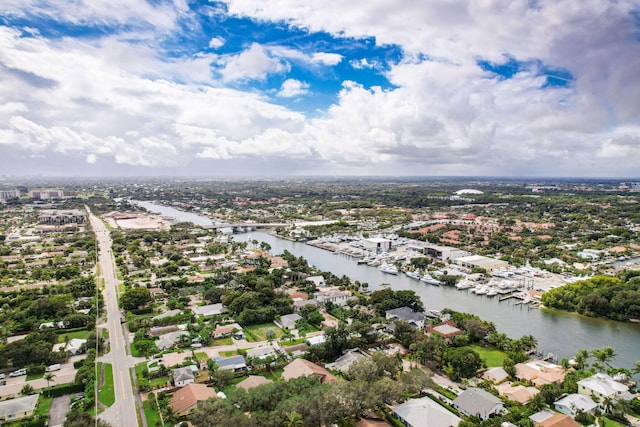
(475, 401)
(253, 381)
(550, 419)
(186, 399)
(414, 318)
(601, 386)
(18, 408)
(297, 305)
(446, 329)
(222, 331)
(155, 331)
(415, 412)
(316, 340)
(317, 280)
(233, 363)
(495, 375)
(288, 321)
(74, 346)
(183, 376)
(168, 340)
(539, 372)
(303, 368)
(344, 362)
(209, 310)
(517, 393)
(571, 403)
(262, 352)
(336, 297)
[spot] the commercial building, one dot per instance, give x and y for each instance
(55, 216)
(478, 261)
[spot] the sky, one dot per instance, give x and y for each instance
(320, 87)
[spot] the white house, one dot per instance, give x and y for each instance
(475, 401)
(73, 347)
(601, 386)
(337, 297)
(183, 376)
(18, 408)
(416, 412)
(571, 403)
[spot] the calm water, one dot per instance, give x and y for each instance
(171, 212)
(557, 332)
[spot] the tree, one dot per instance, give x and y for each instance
(48, 377)
(134, 298)
(462, 362)
(581, 358)
(603, 356)
(270, 334)
(27, 390)
(83, 419)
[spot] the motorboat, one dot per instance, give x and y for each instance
(413, 274)
(388, 268)
(464, 284)
(427, 278)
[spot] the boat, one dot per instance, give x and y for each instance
(481, 290)
(427, 278)
(413, 274)
(388, 268)
(464, 284)
(492, 292)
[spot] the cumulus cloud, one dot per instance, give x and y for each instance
(292, 87)
(253, 63)
(217, 42)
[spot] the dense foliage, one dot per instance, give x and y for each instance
(599, 296)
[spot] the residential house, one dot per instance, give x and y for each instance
(539, 372)
(262, 352)
(288, 321)
(344, 362)
(74, 346)
(233, 363)
(316, 340)
(570, 404)
(303, 368)
(446, 329)
(169, 339)
(416, 412)
(317, 280)
(297, 305)
(253, 381)
(155, 331)
(601, 386)
(186, 399)
(183, 376)
(209, 310)
(336, 297)
(18, 408)
(475, 401)
(495, 375)
(551, 419)
(517, 393)
(222, 331)
(414, 318)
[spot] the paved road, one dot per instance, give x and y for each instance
(123, 412)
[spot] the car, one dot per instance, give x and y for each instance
(18, 373)
(2, 376)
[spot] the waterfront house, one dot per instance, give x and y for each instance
(601, 386)
(413, 318)
(475, 401)
(446, 329)
(540, 372)
(517, 393)
(336, 297)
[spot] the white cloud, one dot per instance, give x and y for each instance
(325, 58)
(253, 63)
(292, 87)
(216, 42)
(92, 159)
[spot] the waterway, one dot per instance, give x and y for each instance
(557, 332)
(171, 212)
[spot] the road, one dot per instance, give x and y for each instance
(123, 412)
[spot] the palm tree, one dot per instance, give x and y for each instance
(294, 419)
(581, 358)
(48, 377)
(27, 389)
(608, 404)
(636, 368)
(604, 355)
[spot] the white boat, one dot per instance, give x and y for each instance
(464, 284)
(481, 290)
(388, 268)
(492, 292)
(427, 278)
(413, 274)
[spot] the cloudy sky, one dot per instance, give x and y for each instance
(320, 87)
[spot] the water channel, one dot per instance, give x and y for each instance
(559, 333)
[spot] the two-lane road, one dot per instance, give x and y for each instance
(123, 412)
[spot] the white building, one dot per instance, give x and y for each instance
(601, 386)
(479, 261)
(9, 194)
(377, 244)
(570, 404)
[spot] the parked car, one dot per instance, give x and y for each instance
(2, 376)
(18, 373)
(51, 368)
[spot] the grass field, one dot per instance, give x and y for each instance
(75, 334)
(152, 416)
(107, 395)
(257, 333)
(491, 357)
(222, 341)
(611, 423)
(44, 404)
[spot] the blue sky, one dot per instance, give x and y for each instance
(253, 88)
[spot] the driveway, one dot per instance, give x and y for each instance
(59, 408)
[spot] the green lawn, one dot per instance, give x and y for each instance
(75, 334)
(228, 353)
(222, 341)
(257, 333)
(492, 357)
(152, 416)
(44, 404)
(611, 423)
(107, 395)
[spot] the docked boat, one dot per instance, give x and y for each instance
(492, 292)
(388, 268)
(413, 274)
(482, 290)
(427, 278)
(464, 284)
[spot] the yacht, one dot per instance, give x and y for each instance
(482, 290)
(492, 292)
(427, 278)
(464, 284)
(413, 274)
(388, 268)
